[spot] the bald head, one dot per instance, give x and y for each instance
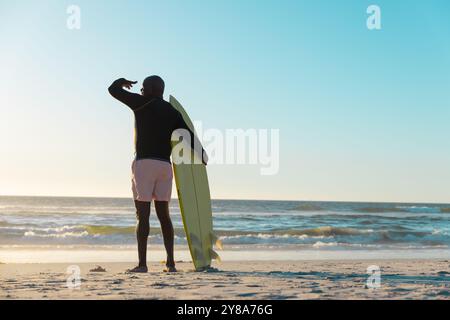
(153, 86)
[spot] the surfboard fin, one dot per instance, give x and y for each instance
(214, 255)
(219, 244)
(216, 241)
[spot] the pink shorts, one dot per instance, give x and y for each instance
(151, 180)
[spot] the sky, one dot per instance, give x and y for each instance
(363, 115)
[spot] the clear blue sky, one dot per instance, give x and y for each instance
(363, 115)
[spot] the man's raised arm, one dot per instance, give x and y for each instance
(132, 100)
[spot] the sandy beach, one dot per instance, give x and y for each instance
(401, 279)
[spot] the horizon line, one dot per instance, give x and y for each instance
(230, 199)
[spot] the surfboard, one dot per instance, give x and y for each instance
(195, 204)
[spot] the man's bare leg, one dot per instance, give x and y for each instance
(142, 232)
(162, 211)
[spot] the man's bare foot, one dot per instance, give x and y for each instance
(170, 269)
(138, 269)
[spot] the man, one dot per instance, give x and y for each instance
(155, 121)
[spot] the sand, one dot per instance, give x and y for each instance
(401, 279)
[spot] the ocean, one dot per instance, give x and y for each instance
(241, 224)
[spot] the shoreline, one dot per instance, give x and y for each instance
(157, 253)
(272, 280)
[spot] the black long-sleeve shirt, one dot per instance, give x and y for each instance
(155, 121)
